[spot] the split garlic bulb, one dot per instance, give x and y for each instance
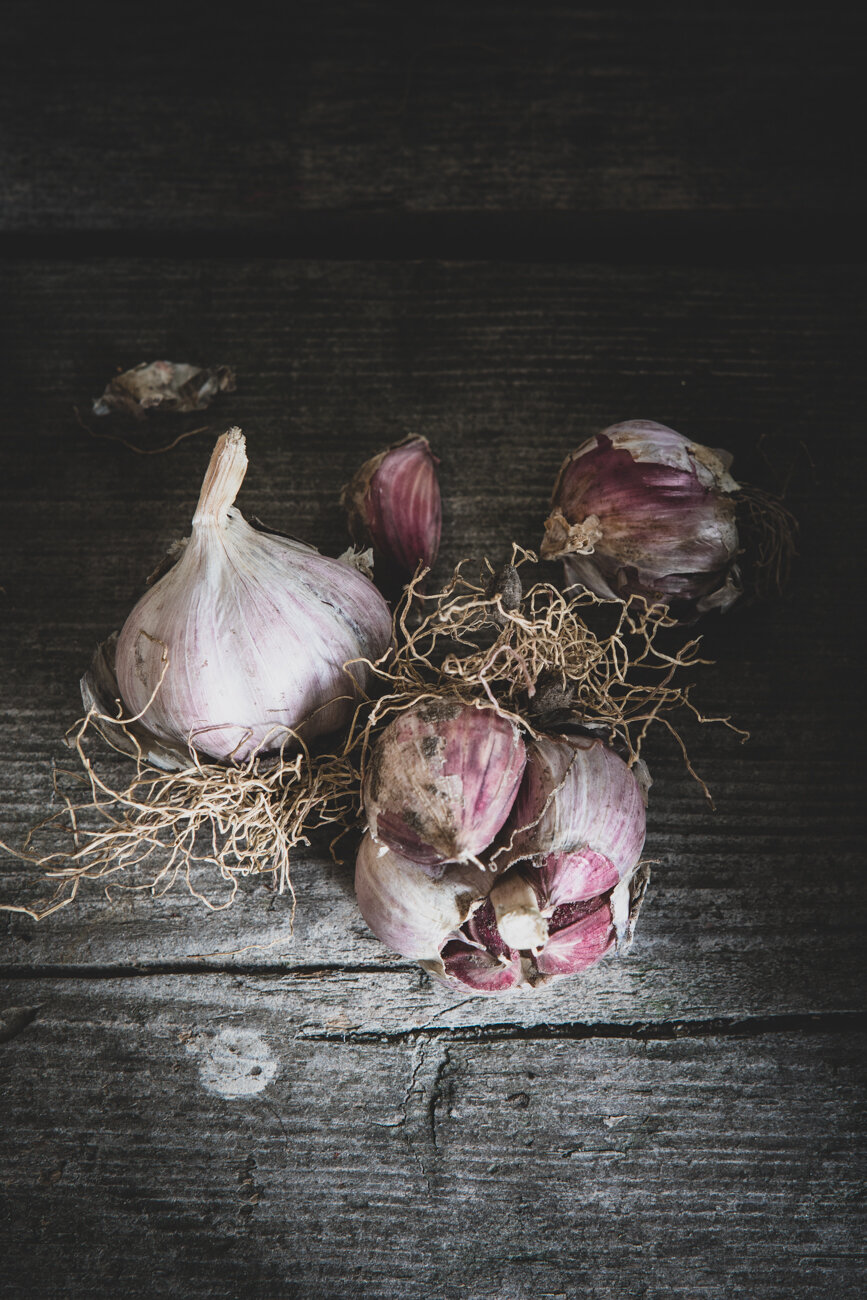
(641, 510)
(246, 640)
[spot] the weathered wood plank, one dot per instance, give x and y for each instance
(617, 108)
(184, 1135)
(754, 909)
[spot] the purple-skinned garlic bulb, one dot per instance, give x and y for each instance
(393, 504)
(440, 781)
(250, 637)
(639, 510)
(479, 933)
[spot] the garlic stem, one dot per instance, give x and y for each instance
(223, 479)
(519, 921)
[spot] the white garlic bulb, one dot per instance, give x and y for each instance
(246, 640)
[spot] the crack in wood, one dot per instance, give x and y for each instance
(731, 238)
(644, 1031)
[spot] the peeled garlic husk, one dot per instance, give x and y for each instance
(579, 815)
(639, 510)
(441, 779)
(251, 638)
(393, 504)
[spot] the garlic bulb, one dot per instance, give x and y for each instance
(641, 510)
(393, 504)
(471, 936)
(441, 780)
(245, 640)
(442, 923)
(579, 816)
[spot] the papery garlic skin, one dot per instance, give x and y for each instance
(641, 510)
(441, 781)
(245, 640)
(394, 504)
(579, 815)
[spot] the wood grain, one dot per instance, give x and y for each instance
(186, 123)
(137, 1155)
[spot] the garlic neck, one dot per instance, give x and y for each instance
(223, 480)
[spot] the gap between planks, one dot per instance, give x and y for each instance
(732, 239)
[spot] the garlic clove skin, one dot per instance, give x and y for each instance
(242, 644)
(441, 780)
(641, 510)
(409, 911)
(579, 808)
(393, 503)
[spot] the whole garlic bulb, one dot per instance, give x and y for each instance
(641, 510)
(441, 780)
(245, 640)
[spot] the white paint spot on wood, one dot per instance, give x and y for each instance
(236, 1063)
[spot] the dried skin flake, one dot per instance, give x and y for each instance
(169, 385)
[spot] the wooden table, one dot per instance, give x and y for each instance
(503, 232)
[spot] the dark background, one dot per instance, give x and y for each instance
(502, 226)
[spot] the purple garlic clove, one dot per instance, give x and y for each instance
(409, 910)
(640, 510)
(444, 923)
(579, 815)
(579, 935)
(441, 780)
(573, 877)
(393, 504)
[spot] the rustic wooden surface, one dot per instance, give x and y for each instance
(504, 235)
(739, 107)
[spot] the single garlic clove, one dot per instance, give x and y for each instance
(464, 967)
(393, 503)
(577, 797)
(574, 876)
(580, 934)
(408, 910)
(640, 510)
(251, 638)
(441, 780)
